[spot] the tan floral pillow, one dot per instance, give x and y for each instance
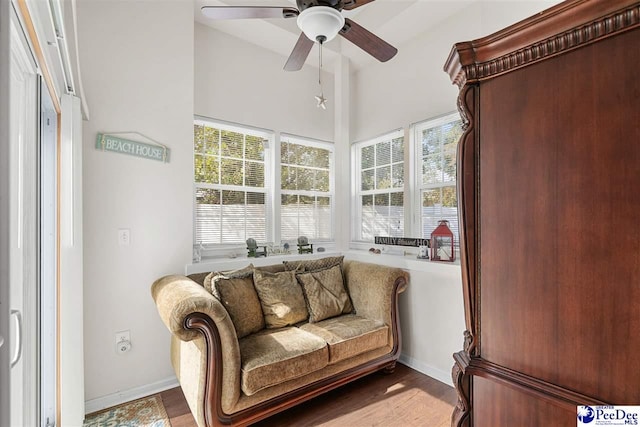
(281, 298)
(326, 293)
(240, 299)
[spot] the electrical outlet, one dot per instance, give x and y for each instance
(124, 237)
(123, 336)
(123, 342)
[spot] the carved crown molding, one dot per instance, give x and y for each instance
(549, 33)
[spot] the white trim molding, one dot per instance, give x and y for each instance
(430, 371)
(123, 396)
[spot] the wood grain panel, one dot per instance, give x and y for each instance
(599, 208)
(560, 244)
(518, 205)
(496, 405)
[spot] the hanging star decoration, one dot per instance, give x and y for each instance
(322, 101)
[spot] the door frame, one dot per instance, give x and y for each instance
(5, 9)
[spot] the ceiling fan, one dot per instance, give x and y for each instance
(319, 20)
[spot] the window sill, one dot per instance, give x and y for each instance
(222, 264)
(407, 262)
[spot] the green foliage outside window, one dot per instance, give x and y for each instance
(227, 158)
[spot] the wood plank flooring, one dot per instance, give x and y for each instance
(405, 398)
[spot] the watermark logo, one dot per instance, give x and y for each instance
(586, 414)
(589, 416)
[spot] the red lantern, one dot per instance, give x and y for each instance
(442, 244)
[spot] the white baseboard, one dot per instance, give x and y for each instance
(120, 397)
(438, 374)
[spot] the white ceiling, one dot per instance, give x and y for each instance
(396, 21)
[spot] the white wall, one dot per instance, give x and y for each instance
(432, 320)
(137, 63)
(240, 82)
(411, 88)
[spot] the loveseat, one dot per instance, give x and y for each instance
(249, 343)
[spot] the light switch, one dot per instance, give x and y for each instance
(124, 237)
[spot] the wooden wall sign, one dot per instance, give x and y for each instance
(400, 241)
(109, 142)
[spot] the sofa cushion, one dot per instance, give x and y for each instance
(272, 357)
(240, 299)
(349, 335)
(281, 298)
(313, 264)
(325, 293)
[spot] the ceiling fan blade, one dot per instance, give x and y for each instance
(367, 41)
(248, 12)
(300, 53)
(352, 4)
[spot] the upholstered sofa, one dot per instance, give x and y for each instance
(249, 343)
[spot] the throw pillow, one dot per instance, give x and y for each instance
(326, 293)
(313, 264)
(208, 285)
(281, 298)
(209, 281)
(198, 277)
(240, 299)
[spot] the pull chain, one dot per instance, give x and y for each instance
(320, 68)
(322, 101)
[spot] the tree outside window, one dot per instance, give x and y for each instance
(437, 142)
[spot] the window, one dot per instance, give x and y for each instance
(306, 189)
(231, 191)
(379, 180)
(436, 143)
(237, 194)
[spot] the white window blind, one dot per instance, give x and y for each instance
(379, 177)
(437, 142)
(306, 189)
(231, 194)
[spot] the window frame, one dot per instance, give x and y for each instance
(272, 184)
(269, 137)
(313, 143)
(418, 184)
(356, 178)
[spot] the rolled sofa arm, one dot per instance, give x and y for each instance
(373, 289)
(177, 297)
(181, 303)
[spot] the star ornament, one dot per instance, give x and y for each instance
(322, 101)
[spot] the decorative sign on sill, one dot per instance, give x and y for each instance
(401, 241)
(110, 142)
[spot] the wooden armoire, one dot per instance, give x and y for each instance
(549, 206)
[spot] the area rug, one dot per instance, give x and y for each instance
(145, 412)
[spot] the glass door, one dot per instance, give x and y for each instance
(33, 135)
(23, 226)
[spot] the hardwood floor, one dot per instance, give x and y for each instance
(405, 398)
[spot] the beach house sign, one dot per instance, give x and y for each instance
(116, 144)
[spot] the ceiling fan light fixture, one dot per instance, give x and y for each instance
(320, 23)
